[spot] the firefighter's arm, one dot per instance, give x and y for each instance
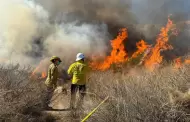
(70, 72)
(52, 76)
(52, 71)
(49, 73)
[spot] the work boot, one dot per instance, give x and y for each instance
(48, 108)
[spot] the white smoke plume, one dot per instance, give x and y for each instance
(27, 35)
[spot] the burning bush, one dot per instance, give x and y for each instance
(153, 58)
(20, 98)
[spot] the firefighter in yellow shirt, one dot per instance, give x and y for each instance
(51, 81)
(78, 72)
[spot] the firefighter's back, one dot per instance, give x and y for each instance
(79, 71)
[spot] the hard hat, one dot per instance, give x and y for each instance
(55, 58)
(80, 56)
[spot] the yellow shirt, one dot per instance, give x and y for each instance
(79, 72)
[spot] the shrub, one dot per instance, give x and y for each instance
(143, 96)
(20, 97)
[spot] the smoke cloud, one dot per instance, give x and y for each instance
(27, 35)
(32, 30)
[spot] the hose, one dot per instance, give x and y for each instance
(94, 110)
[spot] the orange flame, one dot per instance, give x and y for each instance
(141, 47)
(161, 45)
(178, 63)
(43, 75)
(187, 61)
(35, 70)
(118, 53)
(38, 69)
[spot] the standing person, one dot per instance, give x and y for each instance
(51, 81)
(78, 72)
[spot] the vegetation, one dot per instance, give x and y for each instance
(20, 97)
(134, 96)
(140, 95)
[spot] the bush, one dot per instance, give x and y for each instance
(141, 96)
(20, 97)
(134, 96)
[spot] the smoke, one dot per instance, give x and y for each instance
(157, 11)
(32, 30)
(20, 24)
(69, 39)
(146, 16)
(107, 11)
(27, 35)
(153, 14)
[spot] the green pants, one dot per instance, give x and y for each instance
(48, 96)
(74, 89)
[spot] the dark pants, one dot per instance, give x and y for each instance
(48, 96)
(74, 89)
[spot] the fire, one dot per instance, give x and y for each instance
(34, 72)
(152, 54)
(118, 53)
(187, 61)
(43, 75)
(40, 69)
(178, 63)
(161, 45)
(141, 47)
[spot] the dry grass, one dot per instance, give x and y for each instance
(20, 98)
(140, 96)
(135, 96)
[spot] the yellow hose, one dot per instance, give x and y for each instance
(94, 110)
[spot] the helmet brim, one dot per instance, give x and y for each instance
(78, 59)
(55, 59)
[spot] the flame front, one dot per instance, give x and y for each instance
(154, 58)
(118, 53)
(141, 47)
(152, 54)
(161, 45)
(179, 63)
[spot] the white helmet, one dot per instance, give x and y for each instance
(80, 56)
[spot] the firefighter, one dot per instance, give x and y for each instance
(78, 72)
(51, 81)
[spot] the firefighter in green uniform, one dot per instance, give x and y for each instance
(78, 72)
(51, 81)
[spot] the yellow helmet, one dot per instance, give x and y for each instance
(55, 58)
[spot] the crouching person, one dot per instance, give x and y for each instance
(51, 81)
(78, 72)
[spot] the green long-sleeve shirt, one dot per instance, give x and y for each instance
(52, 76)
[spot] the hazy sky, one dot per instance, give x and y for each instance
(150, 11)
